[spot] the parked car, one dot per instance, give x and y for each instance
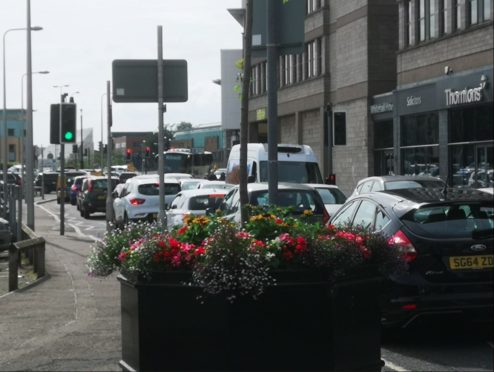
(92, 197)
(206, 184)
(190, 183)
(124, 176)
(297, 196)
(193, 202)
(332, 197)
(378, 183)
(46, 181)
(481, 178)
(447, 239)
(139, 199)
(69, 176)
(75, 188)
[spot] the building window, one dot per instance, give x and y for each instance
(470, 124)
(420, 161)
(340, 128)
(479, 11)
(11, 132)
(313, 5)
(428, 19)
(408, 23)
(12, 153)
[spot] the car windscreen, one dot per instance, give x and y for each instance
(412, 184)
(460, 220)
(299, 200)
(331, 196)
(100, 184)
(172, 188)
(293, 171)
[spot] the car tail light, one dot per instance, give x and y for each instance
(136, 201)
(409, 307)
(404, 244)
(90, 186)
(325, 216)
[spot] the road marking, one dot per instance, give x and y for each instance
(77, 230)
(393, 366)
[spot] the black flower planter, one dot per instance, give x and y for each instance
(303, 323)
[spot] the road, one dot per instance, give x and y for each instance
(436, 345)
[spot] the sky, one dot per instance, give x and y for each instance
(81, 38)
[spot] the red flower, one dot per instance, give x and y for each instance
(182, 230)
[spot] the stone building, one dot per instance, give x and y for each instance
(323, 98)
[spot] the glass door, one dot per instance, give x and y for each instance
(482, 176)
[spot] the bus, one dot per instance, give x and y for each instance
(183, 160)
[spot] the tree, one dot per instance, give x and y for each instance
(182, 126)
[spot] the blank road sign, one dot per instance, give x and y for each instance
(136, 80)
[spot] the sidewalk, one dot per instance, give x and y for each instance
(67, 322)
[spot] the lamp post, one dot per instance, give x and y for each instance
(23, 152)
(4, 114)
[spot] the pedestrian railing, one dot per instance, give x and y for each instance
(33, 250)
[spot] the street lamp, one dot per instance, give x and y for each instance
(22, 84)
(5, 131)
(23, 154)
(101, 111)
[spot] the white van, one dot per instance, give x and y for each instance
(296, 163)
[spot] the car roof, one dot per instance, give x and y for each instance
(438, 195)
(400, 178)
(200, 192)
(257, 186)
(321, 185)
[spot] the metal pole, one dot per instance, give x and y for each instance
(62, 166)
(19, 214)
(29, 130)
(82, 146)
(109, 205)
(101, 111)
(272, 87)
(161, 131)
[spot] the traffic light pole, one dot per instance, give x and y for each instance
(161, 131)
(109, 201)
(62, 170)
(82, 147)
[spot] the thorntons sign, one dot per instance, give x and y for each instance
(467, 95)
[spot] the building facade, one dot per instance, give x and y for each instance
(16, 128)
(323, 98)
(439, 119)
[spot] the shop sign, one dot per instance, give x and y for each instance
(467, 95)
(414, 101)
(381, 107)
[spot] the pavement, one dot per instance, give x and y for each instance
(67, 321)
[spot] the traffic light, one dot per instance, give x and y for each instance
(100, 146)
(129, 154)
(68, 130)
(74, 149)
(331, 179)
(148, 152)
(105, 149)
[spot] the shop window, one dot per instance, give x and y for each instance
(421, 161)
(470, 124)
(383, 134)
(340, 128)
(419, 130)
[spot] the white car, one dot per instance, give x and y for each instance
(194, 202)
(206, 184)
(139, 199)
(332, 197)
(190, 183)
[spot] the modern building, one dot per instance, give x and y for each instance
(16, 127)
(389, 86)
(439, 119)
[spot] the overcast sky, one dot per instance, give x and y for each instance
(81, 38)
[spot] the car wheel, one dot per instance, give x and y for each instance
(85, 213)
(125, 219)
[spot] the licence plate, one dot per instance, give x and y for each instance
(471, 262)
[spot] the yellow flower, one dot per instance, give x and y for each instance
(308, 212)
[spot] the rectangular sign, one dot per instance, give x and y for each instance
(137, 80)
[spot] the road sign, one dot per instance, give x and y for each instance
(137, 80)
(290, 19)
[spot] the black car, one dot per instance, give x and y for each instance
(48, 179)
(446, 237)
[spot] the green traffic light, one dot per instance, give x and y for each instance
(68, 136)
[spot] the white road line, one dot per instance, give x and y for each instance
(77, 230)
(393, 366)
